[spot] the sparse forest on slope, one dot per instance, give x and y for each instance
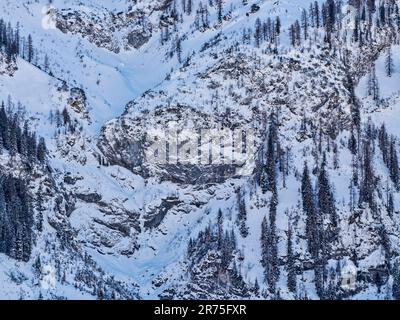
(85, 213)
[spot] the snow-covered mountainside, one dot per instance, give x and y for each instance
(188, 149)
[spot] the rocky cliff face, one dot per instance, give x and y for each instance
(110, 30)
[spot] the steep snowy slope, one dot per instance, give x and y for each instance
(103, 75)
(362, 238)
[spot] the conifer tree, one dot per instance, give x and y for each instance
(290, 265)
(30, 49)
(220, 5)
(396, 281)
(258, 33)
(394, 163)
(310, 212)
(389, 65)
(326, 201)
(41, 150)
(367, 183)
(242, 214)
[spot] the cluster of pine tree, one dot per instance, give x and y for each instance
(83, 273)
(173, 15)
(387, 144)
(267, 31)
(16, 210)
(396, 280)
(13, 45)
(326, 16)
(269, 247)
(213, 264)
(63, 120)
(90, 276)
(18, 139)
(359, 16)
(373, 85)
(202, 20)
(318, 206)
(336, 18)
(321, 222)
(268, 183)
(16, 218)
(242, 214)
